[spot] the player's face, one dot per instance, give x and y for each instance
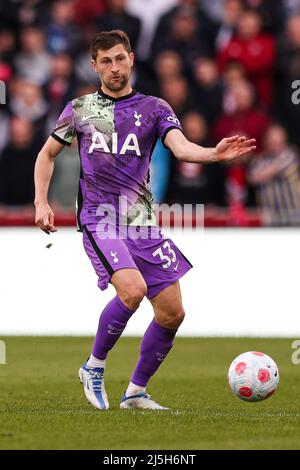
(114, 67)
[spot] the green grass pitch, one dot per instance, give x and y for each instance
(42, 405)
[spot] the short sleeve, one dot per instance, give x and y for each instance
(167, 119)
(65, 129)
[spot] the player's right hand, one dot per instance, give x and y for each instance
(44, 218)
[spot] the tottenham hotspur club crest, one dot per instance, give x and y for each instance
(138, 119)
(114, 255)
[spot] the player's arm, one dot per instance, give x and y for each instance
(227, 149)
(44, 217)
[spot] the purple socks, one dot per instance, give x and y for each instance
(156, 343)
(112, 323)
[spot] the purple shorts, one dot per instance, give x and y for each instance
(159, 260)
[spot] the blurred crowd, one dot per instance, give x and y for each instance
(225, 66)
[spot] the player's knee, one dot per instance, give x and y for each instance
(173, 318)
(178, 317)
(133, 295)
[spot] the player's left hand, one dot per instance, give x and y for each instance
(234, 147)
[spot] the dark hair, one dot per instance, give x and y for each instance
(108, 39)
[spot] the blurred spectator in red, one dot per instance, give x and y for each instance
(288, 70)
(256, 51)
(63, 35)
(118, 18)
(17, 164)
(245, 119)
(208, 89)
(85, 12)
(32, 62)
(276, 176)
(176, 91)
(231, 13)
(191, 182)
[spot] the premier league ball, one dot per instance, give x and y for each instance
(253, 376)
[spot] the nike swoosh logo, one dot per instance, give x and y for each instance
(85, 118)
(176, 267)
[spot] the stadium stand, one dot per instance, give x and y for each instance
(226, 66)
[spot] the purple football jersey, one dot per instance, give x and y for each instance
(116, 138)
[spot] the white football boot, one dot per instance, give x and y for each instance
(92, 379)
(141, 400)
